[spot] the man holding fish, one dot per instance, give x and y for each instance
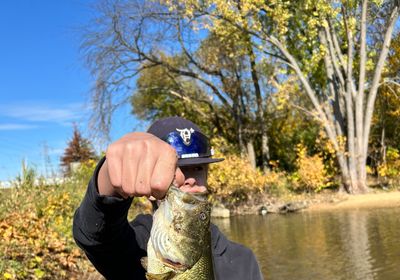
(168, 163)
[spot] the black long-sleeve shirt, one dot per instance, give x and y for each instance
(115, 246)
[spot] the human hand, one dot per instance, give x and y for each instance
(139, 164)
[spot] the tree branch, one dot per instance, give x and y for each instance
(310, 92)
(333, 55)
(191, 58)
(377, 75)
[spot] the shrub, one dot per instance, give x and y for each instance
(311, 174)
(83, 173)
(234, 180)
(390, 169)
(35, 229)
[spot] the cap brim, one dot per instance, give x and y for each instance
(197, 161)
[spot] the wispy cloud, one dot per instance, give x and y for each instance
(15, 126)
(44, 112)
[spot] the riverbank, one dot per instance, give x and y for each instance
(369, 200)
(325, 201)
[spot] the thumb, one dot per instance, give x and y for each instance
(179, 178)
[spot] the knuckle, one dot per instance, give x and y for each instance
(135, 147)
(111, 151)
(130, 147)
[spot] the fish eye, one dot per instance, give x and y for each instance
(203, 216)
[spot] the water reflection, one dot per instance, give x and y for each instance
(351, 244)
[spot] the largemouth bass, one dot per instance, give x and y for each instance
(179, 247)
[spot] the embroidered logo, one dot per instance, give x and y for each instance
(186, 134)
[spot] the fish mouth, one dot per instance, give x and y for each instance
(174, 265)
(195, 194)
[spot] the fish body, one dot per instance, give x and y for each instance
(179, 247)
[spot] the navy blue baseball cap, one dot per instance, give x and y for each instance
(191, 145)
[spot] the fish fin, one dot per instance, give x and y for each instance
(163, 276)
(144, 262)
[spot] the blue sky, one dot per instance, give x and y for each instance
(44, 86)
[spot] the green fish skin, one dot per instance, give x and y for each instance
(179, 247)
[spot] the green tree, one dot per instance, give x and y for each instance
(160, 93)
(79, 149)
(288, 126)
(386, 131)
(326, 45)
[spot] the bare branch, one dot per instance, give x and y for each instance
(311, 114)
(310, 92)
(189, 100)
(336, 43)
(191, 58)
(335, 88)
(333, 55)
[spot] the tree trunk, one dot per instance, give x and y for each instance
(251, 155)
(383, 147)
(260, 113)
(265, 151)
(242, 146)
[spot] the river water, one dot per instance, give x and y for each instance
(342, 244)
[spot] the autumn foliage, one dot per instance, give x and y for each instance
(235, 180)
(311, 174)
(36, 230)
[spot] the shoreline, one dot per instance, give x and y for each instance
(327, 201)
(362, 201)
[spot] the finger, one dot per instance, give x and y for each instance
(163, 173)
(114, 168)
(179, 178)
(145, 169)
(129, 173)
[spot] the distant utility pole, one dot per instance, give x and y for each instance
(48, 167)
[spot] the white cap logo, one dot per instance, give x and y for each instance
(186, 134)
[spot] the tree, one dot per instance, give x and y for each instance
(160, 93)
(79, 149)
(386, 131)
(288, 126)
(333, 47)
(131, 37)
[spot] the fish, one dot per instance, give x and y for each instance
(179, 246)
